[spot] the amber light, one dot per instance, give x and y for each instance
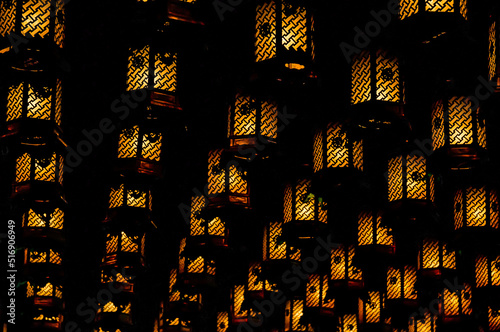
(130, 196)
(409, 8)
(42, 256)
(476, 207)
(176, 296)
(343, 270)
(258, 285)
(493, 52)
(408, 179)
(487, 271)
(294, 310)
(239, 312)
(44, 293)
(455, 304)
(370, 310)
(136, 142)
(371, 231)
(121, 244)
(316, 294)
(275, 248)
(427, 323)
(197, 265)
(226, 180)
(199, 227)
(47, 167)
(435, 256)
(401, 283)
(37, 218)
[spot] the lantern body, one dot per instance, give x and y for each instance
(283, 34)
(202, 230)
(43, 220)
(456, 305)
(408, 180)
(343, 271)
(141, 148)
(130, 196)
(476, 207)
(124, 249)
(458, 127)
(178, 300)
(372, 233)
(116, 312)
(239, 314)
(493, 69)
(275, 248)
(493, 319)
(401, 283)
(195, 269)
(118, 280)
(348, 323)
(409, 8)
(487, 271)
(222, 321)
(43, 261)
(428, 323)
(252, 121)
(316, 295)
(258, 285)
(370, 310)
(435, 257)
(44, 294)
(294, 309)
(47, 318)
(36, 169)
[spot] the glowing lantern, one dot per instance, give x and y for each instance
(487, 271)
(203, 231)
(141, 146)
(283, 34)
(124, 249)
(493, 319)
(126, 195)
(435, 257)
(316, 295)
(119, 312)
(476, 207)
(180, 300)
(226, 183)
(348, 323)
(43, 219)
(44, 293)
(382, 69)
(303, 212)
(39, 20)
(371, 232)
(294, 310)
(239, 314)
(427, 323)
(408, 180)
(121, 281)
(275, 249)
(258, 286)
(196, 269)
(458, 127)
(411, 7)
(371, 309)
(44, 258)
(401, 284)
(252, 121)
(343, 272)
(337, 149)
(154, 69)
(456, 304)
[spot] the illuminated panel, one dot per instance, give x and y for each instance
(293, 313)
(318, 151)
(15, 102)
(317, 288)
(7, 17)
(337, 146)
(442, 6)
(136, 198)
(476, 207)
(138, 69)
(407, 8)
(58, 106)
(370, 310)
(222, 321)
(365, 229)
(424, 324)
(494, 209)
(197, 204)
(431, 254)
(216, 173)
(287, 206)
(254, 274)
(395, 179)
(238, 298)
(269, 119)
(481, 130)
(383, 236)
(151, 146)
(265, 34)
(493, 319)
(52, 220)
(463, 8)
(237, 185)
(128, 143)
(387, 76)
(116, 196)
(361, 79)
(293, 27)
(358, 155)
(60, 14)
(460, 121)
(111, 244)
(458, 209)
(245, 115)
(348, 323)
(415, 177)
(438, 125)
(492, 58)
(342, 267)
(129, 243)
(277, 249)
(304, 205)
(216, 227)
(35, 18)
(165, 72)
(39, 102)
(23, 168)
(45, 169)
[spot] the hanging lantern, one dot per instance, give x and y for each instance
(493, 319)
(227, 184)
(239, 312)
(181, 301)
(476, 207)
(343, 272)
(43, 260)
(284, 34)
(124, 282)
(337, 149)
(435, 258)
(37, 169)
(141, 147)
(43, 220)
(371, 233)
(203, 231)
(371, 309)
(456, 305)
(428, 323)
(252, 121)
(131, 196)
(303, 213)
(294, 310)
(347, 323)
(487, 271)
(124, 249)
(408, 180)
(401, 284)
(409, 8)
(44, 293)
(258, 286)
(222, 321)
(115, 311)
(275, 249)
(196, 269)
(37, 20)
(458, 128)
(154, 69)
(316, 295)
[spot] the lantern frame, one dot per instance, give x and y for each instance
(276, 251)
(43, 260)
(43, 322)
(124, 281)
(121, 315)
(51, 296)
(429, 323)
(446, 259)
(487, 272)
(204, 233)
(258, 286)
(401, 283)
(366, 310)
(124, 249)
(195, 269)
(238, 301)
(476, 208)
(294, 311)
(317, 300)
(456, 305)
(131, 200)
(343, 273)
(179, 301)
(372, 235)
(44, 221)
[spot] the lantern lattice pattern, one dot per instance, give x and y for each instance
(492, 52)
(201, 227)
(487, 271)
(239, 313)
(408, 179)
(435, 255)
(130, 196)
(342, 267)
(124, 281)
(122, 310)
(226, 179)
(294, 310)
(252, 120)
(42, 256)
(411, 7)
(44, 293)
(175, 295)
(476, 207)
(222, 321)
(256, 280)
(194, 265)
(428, 323)
(338, 150)
(457, 303)
(39, 167)
(47, 318)
(493, 319)
(275, 248)
(43, 218)
(316, 294)
(122, 245)
(301, 205)
(401, 283)
(135, 143)
(370, 310)
(379, 67)
(372, 232)
(348, 323)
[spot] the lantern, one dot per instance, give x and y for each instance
(141, 147)
(456, 304)
(343, 272)
(275, 249)
(124, 249)
(131, 196)
(336, 148)
(227, 184)
(348, 323)
(258, 285)
(37, 168)
(409, 8)
(294, 310)
(401, 284)
(44, 293)
(43, 220)
(408, 180)
(252, 121)
(182, 301)
(222, 321)
(371, 309)
(197, 269)
(371, 232)
(476, 207)
(493, 319)
(283, 34)
(203, 231)
(35, 104)
(115, 311)
(316, 295)
(458, 127)
(43, 259)
(121, 281)
(487, 271)
(38, 20)
(49, 318)
(239, 314)
(427, 323)
(435, 258)
(303, 212)
(155, 69)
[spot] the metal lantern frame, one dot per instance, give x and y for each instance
(493, 51)
(476, 207)
(371, 309)
(128, 195)
(258, 286)
(116, 311)
(43, 220)
(456, 305)
(275, 249)
(372, 234)
(195, 269)
(294, 311)
(427, 323)
(487, 271)
(45, 293)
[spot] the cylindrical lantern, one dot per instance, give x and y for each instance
(476, 207)
(371, 232)
(213, 230)
(44, 293)
(284, 34)
(371, 309)
(435, 257)
(343, 271)
(226, 183)
(428, 323)
(178, 299)
(409, 8)
(316, 295)
(458, 126)
(252, 121)
(37, 167)
(456, 304)
(408, 179)
(336, 148)
(376, 77)
(487, 271)
(143, 147)
(294, 310)
(275, 248)
(125, 249)
(401, 283)
(127, 195)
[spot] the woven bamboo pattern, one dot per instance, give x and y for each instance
(304, 206)
(15, 102)
(493, 319)
(449, 258)
(395, 179)
(361, 90)
(476, 207)
(463, 8)
(111, 244)
(151, 146)
(216, 173)
(60, 14)
(494, 209)
(431, 250)
(382, 233)
(373, 307)
(451, 301)
(7, 17)
(55, 257)
(245, 116)
(23, 168)
(358, 155)
(35, 18)
(349, 323)
(165, 72)
(128, 142)
(287, 205)
(460, 118)
(138, 69)
(318, 151)
(58, 103)
(129, 243)
(442, 6)
(416, 174)
(216, 227)
(410, 278)
(238, 298)
(174, 294)
(337, 146)
(297, 312)
(365, 229)
(438, 125)
(116, 196)
(237, 185)
(481, 130)
(37, 257)
(269, 119)
(136, 198)
(45, 168)
(276, 250)
(46, 290)
(407, 8)
(387, 76)
(254, 272)
(222, 321)
(265, 32)
(294, 27)
(458, 209)
(481, 271)
(313, 294)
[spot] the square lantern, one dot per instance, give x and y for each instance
(370, 310)
(435, 258)
(203, 231)
(124, 249)
(34, 105)
(252, 121)
(372, 234)
(294, 310)
(116, 312)
(258, 286)
(275, 249)
(180, 301)
(284, 34)
(154, 69)
(37, 20)
(43, 221)
(44, 293)
(195, 269)
(139, 149)
(227, 184)
(130, 196)
(487, 271)
(336, 148)
(427, 323)
(343, 273)
(456, 305)
(118, 280)
(317, 300)
(476, 208)
(458, 128)
(46, 318)
(304, 215)
(239, 311)
(401, 285)
(409, 180)
(408, 8)
(348, 323)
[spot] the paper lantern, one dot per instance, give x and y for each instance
(409, 8)
(456, 305)
(475, 208)
(348, 323)
(371, 309)
(487, 270)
